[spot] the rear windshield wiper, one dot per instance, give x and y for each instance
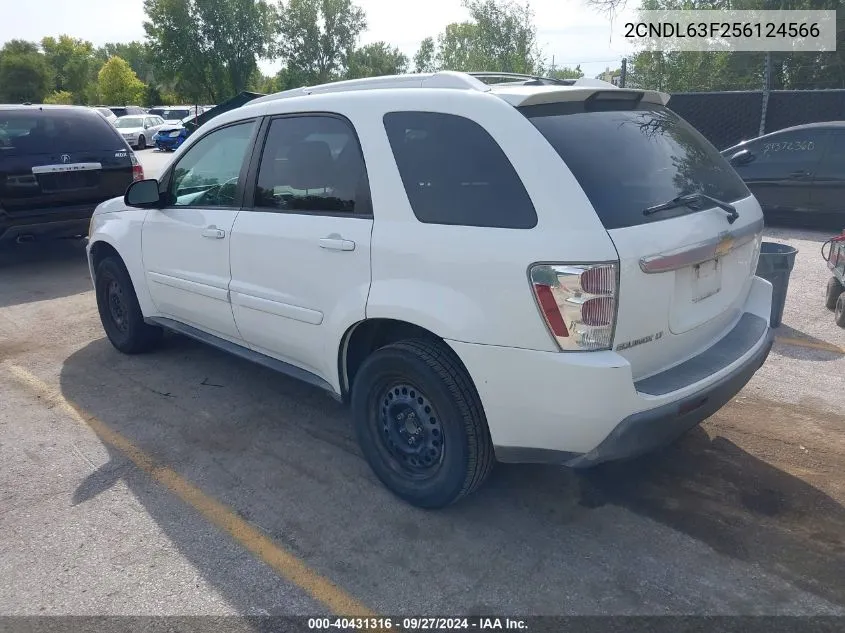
(692, 200)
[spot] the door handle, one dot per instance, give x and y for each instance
(337, 243)
(212, 232)
(799, 174)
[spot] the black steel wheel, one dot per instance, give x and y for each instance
(119, 311)
(839, 312)
(832, 293)
(420, 423)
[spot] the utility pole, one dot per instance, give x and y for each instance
(624, 72)
(767, 86)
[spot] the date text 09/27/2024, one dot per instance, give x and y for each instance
(480, 623)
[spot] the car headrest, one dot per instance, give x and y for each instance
(310, 165)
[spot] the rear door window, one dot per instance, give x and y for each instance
(455, 173)
(627, 159)
(312, 164)
(49, 131)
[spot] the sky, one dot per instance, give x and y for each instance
(569, 30)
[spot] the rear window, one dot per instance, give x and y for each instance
(35, 131)
(171, 114)
(454, 172)
(627, 160)
(119, 111)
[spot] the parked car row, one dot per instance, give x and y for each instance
(141, 127)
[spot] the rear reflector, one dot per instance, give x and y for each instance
(550, 310)
(578, 303)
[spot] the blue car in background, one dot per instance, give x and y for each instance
(170, 137)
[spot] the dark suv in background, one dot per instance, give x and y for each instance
(120, 111)
(57, 163)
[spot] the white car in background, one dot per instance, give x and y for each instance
(139, 129)
(532, 271)
(107, 114)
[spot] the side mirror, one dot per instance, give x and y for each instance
(143, 194)
(742, 157)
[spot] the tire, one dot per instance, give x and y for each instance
(834, 290)
(119, 311)
(433, 462)
(839, 312)
(142, 142)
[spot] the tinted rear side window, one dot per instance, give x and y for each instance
(627, 160)
(455, 173)
(34, 131)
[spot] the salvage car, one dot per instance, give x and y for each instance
(532, 271)
(57, 163)
(796, 173)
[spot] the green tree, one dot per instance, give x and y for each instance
(456, 48)
(207, 50)
(376, 59)
(25, 74)
(424, 57)
(137, 55)
(73, 63)
(567, 73)
(500, 36)
(118, 84)
(506, 37)
(59, 96)
(317, 38)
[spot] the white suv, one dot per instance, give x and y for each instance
(525, 271)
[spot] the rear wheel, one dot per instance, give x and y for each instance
(142, 142)
(834, 290)
(839, 311)
(420, 423)
(119, 311)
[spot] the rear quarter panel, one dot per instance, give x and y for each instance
(470, 283)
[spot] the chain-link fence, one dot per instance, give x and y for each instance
(726, 118)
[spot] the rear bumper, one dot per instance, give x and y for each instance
(582, 409)
(643, 432)
(57, 222)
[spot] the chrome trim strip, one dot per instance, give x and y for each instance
(703, 251)
(56, 169)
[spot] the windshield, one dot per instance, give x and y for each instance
(173, 115)
(130, 121)
(627, 160)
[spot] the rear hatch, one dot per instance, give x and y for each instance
(55, 158)
(685, 270)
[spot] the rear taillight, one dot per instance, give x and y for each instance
(578, 303)
(137, 170)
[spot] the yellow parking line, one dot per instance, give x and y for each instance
(282, 561)
(827, 347)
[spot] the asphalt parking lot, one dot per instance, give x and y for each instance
(190, 482)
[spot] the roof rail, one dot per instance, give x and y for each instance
(447, 79)
(440, 79)
(524, 79)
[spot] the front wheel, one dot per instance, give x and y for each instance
(142, 142)
(834, 289)
(119, 311)
(420, 423)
